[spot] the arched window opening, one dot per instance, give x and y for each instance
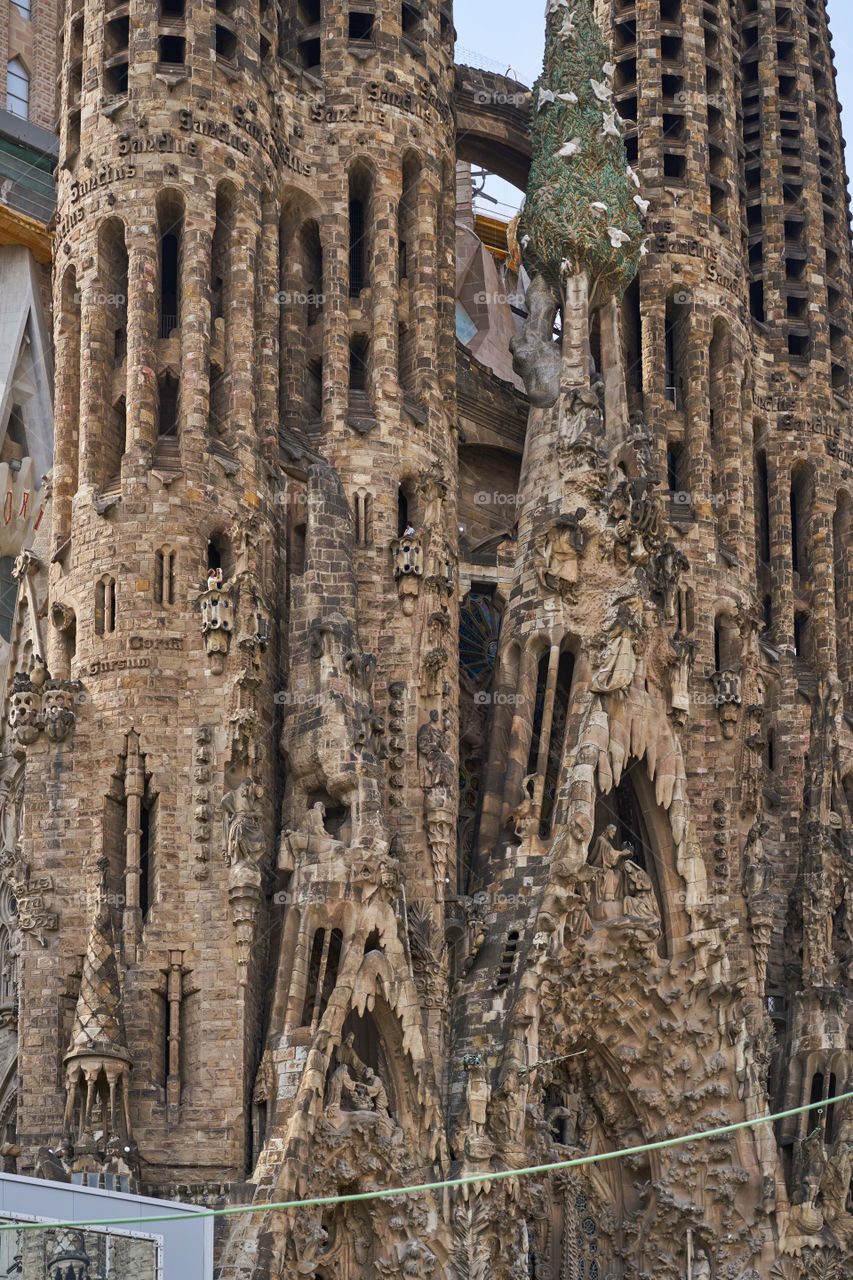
(719, 358)
(309, 47)
(17, 89)
(559, 719)
(360, 192)
(169, 248)
(113, 284)
(167, 404)
(358, 363)
(226, 42)
(105, 606)
(487, 701)
(221, 309)
(314, 395)
(676, 478)
(302, 301)
(800, 510)
(803, 648)
(595, 340)
(170, 220)
(402, 511)
(74, 85)
(116, 56)
(296, 557)
(219, 555)
(727, 643)
(628, 808)
(762, 509)
(311, 254)
(407, 225)
(69, 395)
(322, 975)
(164, 577)
(676, 326)
(719, 364)
(357, 269)
(632, 336)
(550, 714)
(842, 539)
(147, 855)
(538, 712)
(363, 511)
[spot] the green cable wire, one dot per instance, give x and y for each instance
(386, 1193)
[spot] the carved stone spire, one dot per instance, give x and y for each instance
(98, 1063)
(67, 1256)
(99, 1022)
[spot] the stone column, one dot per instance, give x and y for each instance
(141, 396)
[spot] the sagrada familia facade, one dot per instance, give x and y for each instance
(428, 732)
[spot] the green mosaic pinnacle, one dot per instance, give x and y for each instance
(580, 214)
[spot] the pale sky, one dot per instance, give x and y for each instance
(503, 35)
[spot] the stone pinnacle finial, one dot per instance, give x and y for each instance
(99, 1021)
(582, 212)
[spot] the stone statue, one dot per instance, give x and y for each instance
(522, 819)
(640, 904)
(58, 712)
(505, 1112)
(216, 619)
(581, 430)
(477, 1094)
(621, 649)
(835, 1183)
(354, 1086)
(557, 552)
(813, 1163)
(701, 1269)
(680, 665)
(758, 873)
(641, 441)
(438, 774)
(438, 769)
(664, 571)
(245, 842)
(635, 513)
(609, 884)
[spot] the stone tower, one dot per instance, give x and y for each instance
(407, 775)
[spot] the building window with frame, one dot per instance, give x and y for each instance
(18, 89)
